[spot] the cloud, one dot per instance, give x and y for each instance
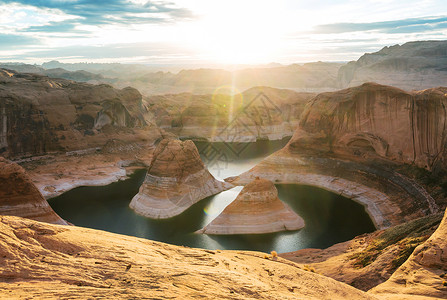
(397, 26)
(52, 27)
(10, 41)
(105, 12)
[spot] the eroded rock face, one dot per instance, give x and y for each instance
(411, 66)
(48, 261)
(257, 209)
(39, 115)
(258, 113)
(20, 197)
(378, 120)
(175, 180)
(424, 273)
(352, 141)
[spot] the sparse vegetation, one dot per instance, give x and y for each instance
(309, 268)
(274, 254)
(406, 236)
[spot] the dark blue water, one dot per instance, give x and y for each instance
(329, 218)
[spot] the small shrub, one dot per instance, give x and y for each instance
(274, 254)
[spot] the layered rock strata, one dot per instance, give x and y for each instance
(257, 209)
(351, 142)
(424, 274)
(258, 113)
(41, 115)
(175, 180)
(411, 66)
(20, 197)
(52, 262)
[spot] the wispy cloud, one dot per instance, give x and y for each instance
(110, 12)
(397, 26)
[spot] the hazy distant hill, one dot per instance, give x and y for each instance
(80, 75)
(318, 76)
(413, 65)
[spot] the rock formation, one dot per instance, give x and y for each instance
(411, 66)
(20, 197)
(353, 141)
(424, 274)
(175, 180)
(257, 209)
(49, 261)
(39, 115)
(257, 113)
(369, 259)
(379, 120)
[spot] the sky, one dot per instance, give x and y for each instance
(205, 32)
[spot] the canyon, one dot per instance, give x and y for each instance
(381, 146)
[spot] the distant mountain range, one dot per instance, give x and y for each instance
(411, 66)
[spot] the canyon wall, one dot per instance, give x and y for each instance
(258, 113)
(356, 141)
(20, 197)
(377, 120)
(39, 115)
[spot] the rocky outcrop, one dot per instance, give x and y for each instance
(257, 209)
(39, 115)
(258, 113)
(424, 273)
(49, 261)
(377, 120)
(369, 259)
(20, 197)
(352, 141)
(175, 180)
(411, 66)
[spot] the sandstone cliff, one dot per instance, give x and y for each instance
(175, 180)
(52, 262)
(411, 66)
(20, 197)
(258, 113)
(424, 273)
(377, 120)
(39, 115)
(257, 209)
(353, 141)
(369, 259)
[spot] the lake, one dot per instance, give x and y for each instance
(329, 218)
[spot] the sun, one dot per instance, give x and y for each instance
(239, 32)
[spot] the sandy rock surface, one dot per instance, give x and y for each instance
(257, 209)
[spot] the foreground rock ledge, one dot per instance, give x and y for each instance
(20, 197)
(52, 262)
(176, 179)
(257, 209)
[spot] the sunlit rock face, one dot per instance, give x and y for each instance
(258, 113)
(424, 273)
(46, 261)
(377, 120)
(175, 180)
(257, 209)
(40, 115)
(353, 141)
(412, 66)
(20, 197)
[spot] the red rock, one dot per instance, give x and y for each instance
(20, 197)
(257, 209)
